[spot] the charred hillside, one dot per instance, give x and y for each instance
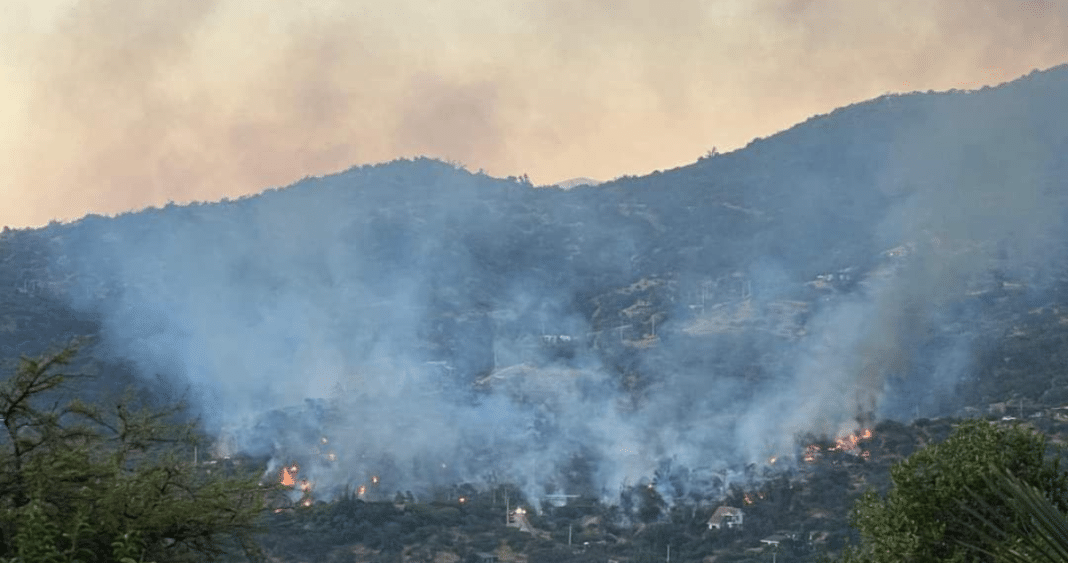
(898, 258)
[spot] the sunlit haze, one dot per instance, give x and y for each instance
(112, 105)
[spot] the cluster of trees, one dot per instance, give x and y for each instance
(98, 484)
(986, 493)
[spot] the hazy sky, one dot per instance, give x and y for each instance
(109, 105)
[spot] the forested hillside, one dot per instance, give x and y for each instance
(415, 326)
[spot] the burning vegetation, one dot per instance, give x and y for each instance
(288, 475)
(853, 443)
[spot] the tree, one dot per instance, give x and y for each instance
(932, 511)
(1034, 529)
(84, 481)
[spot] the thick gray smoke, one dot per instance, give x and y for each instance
(977, 196)
(411, 325)
(327, 327)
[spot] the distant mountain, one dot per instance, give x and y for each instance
(902, 257)
(576, 182)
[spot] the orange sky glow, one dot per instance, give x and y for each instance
(113, 105)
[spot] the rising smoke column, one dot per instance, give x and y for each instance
(977, 191)
(340, 324)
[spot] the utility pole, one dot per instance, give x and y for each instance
(569, 535)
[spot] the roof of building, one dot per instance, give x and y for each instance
(723, 512)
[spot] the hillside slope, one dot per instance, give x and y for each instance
(898, 258)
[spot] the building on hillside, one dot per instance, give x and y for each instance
(726, 517)
(775, 539)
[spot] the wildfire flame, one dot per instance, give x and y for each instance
(288, 475)
(374, 479)
(361, 490)
(850, 442)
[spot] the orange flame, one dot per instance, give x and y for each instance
(850, 442)
(288, 476)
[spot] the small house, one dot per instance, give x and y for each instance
(726, 517)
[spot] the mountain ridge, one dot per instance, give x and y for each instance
(761, 280)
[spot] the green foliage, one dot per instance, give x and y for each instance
(37, 535)
(39, 538)
(85, 481)
(1034, 529)
(921, 519)
(128, 548)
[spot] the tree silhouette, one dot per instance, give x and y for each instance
(101, 483)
